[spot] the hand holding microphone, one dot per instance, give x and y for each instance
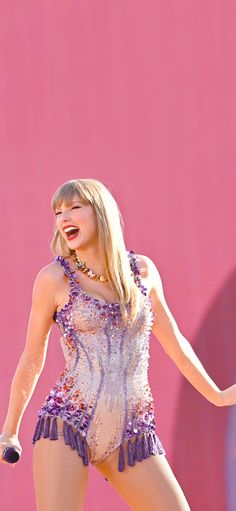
(10, 449)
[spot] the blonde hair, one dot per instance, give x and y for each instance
(110, 238)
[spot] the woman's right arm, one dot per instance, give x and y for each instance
(33, 357)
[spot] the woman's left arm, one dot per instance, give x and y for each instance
(177, 346)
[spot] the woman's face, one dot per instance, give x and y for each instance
(77, 224)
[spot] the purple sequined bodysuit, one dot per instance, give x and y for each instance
(103, 395)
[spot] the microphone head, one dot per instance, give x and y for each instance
(11, 455)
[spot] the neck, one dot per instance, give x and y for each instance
(92, 260)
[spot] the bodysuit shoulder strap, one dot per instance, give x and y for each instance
(66, 267)
(136, 271)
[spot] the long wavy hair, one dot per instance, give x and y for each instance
(110, 238)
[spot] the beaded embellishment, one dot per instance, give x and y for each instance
(103, 395)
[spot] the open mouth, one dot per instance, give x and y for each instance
(71, 232)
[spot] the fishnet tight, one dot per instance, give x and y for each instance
(61, 479)
(150, 485)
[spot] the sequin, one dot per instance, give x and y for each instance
(103, 394)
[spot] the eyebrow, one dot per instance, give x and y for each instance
(70, 203)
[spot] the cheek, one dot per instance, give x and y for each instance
(91, 226)
(91, 221)
(87, 223)
(95, 224)
(87, 220)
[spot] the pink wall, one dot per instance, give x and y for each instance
(141, 96)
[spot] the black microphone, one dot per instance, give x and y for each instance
(11, 455)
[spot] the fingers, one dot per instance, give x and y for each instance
(2, 460)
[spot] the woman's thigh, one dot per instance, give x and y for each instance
(150, 484)
(60, 478)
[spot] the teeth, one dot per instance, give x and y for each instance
(68, 229)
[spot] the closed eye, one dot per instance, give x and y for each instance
(74, 207)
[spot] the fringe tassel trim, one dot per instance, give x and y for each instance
(46, 427)
(138, 448)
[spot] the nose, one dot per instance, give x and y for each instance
(64, 215)
(64, 218)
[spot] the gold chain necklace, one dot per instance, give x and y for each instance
(81, 265)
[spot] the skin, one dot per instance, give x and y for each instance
(86, 246)
(50, 292)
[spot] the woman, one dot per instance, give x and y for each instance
(105, 301)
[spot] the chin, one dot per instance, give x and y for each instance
(74, 246)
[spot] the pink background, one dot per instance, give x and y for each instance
(140, 95)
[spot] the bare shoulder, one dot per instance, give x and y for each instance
(49, 277)
(146, 265)
(148, 272)
(50, 272)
